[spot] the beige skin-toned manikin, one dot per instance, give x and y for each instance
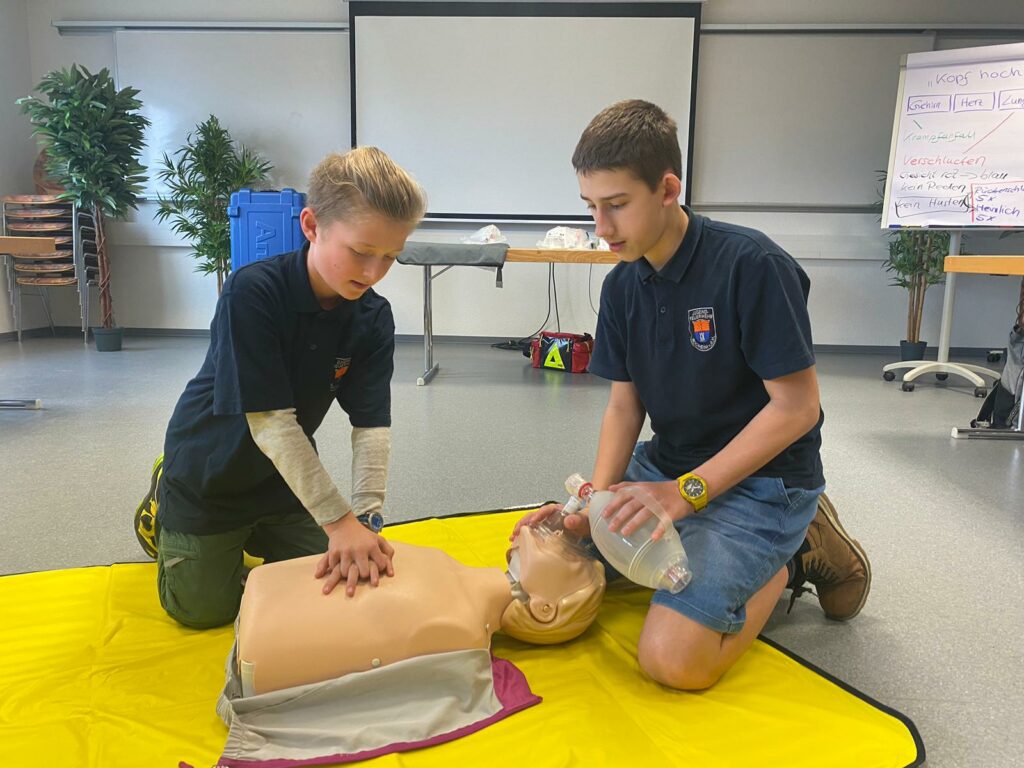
(290, 633)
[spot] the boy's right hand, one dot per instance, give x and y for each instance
(353, 553)
(576, 523)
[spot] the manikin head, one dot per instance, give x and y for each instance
(558, 592)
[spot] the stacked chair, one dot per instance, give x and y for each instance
(73, 264)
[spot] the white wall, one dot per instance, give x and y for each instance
(154, 282)
(851, 303)
(17, 150)
(866, 12)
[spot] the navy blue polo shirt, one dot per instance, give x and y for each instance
(272, 347)
(698, 338)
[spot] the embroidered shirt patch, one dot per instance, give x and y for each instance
(703, 333)
(341, 365)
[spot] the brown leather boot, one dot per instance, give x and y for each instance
(835, 564)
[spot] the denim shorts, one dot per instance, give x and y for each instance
(734, 545)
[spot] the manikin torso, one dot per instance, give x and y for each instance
(290, 633)
(432, 604)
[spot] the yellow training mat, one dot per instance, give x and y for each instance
(93, 674)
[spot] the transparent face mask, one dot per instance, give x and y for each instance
(553, 538)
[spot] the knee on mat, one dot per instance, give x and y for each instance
(201, 619)
(676, 670)
(196, 613)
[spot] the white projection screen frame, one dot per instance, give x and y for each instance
(484, 102)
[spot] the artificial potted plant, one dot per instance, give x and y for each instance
(92, 135)
(915, 260)
(200, 180)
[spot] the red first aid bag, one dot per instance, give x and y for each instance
(568, 352)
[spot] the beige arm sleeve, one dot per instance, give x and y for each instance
(371, 449)
(279, 436)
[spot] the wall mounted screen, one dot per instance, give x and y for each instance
(484, 102)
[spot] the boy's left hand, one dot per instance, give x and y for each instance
(354, 554)
(628, 513)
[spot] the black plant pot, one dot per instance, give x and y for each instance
(912, 350)
(108, 339)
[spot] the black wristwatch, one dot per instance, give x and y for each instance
(372, 520)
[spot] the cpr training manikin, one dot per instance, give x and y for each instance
(315, 677)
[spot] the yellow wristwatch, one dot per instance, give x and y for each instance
(693, 488)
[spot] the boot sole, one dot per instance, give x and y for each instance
(825, 505)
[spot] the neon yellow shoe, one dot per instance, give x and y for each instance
(145, 514)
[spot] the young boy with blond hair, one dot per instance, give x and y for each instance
(703, 327)
(290, 335)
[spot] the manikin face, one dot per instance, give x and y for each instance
(627, 213)
(347, 257)
(563, 589)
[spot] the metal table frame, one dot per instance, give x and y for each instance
(522, 255)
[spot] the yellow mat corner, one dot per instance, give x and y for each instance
(93, 674)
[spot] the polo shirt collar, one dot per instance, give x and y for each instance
(300, 291)
(680, 261)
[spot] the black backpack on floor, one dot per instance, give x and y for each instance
(1001, 407)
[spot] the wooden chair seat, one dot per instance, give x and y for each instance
(32, 199)
(44, 266)
(38, 213)
(42, 256)
(39, 226)
(47, 281)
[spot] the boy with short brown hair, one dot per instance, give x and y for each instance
(703, 327)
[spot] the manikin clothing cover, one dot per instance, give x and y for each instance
(362, 715)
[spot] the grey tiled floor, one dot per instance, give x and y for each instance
(942, 520)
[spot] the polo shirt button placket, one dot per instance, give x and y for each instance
(663, 322)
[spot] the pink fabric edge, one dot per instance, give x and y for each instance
(510, 686)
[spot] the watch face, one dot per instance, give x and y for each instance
(693, 488)
(372, 520)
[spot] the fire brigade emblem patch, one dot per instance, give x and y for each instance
(703, 333)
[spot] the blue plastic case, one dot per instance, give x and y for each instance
(264, 224)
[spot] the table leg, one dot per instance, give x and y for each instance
(430, 368)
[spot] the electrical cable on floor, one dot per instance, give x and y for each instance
(523, 344)
(551, 278)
